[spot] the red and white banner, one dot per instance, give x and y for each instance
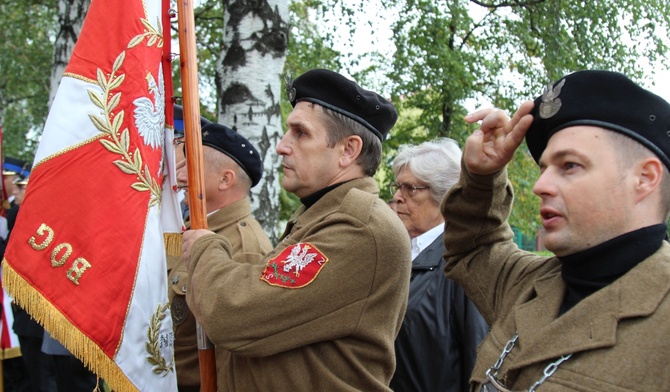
(86, 256)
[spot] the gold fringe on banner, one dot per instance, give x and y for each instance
(80, 345)
(172, 244)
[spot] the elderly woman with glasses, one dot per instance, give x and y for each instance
(436, 346)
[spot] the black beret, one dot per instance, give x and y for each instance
(333, 91)
(603, 99)
(179, 120)
(236, 146)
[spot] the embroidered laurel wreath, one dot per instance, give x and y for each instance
(131, 163)
(155, 358)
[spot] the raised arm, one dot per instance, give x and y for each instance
(492, 146)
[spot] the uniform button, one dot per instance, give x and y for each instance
(243, 223)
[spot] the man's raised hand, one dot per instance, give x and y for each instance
(492, 146)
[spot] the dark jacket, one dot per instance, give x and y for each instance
(436, 346)
(24, 325)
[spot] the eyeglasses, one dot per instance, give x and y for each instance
(407, 190)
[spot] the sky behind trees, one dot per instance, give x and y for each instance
(373, 32)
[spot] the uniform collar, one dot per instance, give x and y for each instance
(590, 270)
(224, 216)
(331, 200)
(593, 322)
(310, 200)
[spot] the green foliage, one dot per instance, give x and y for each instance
(307, 49)
(523, 172)
(208, 18)
(452, 51)
(448, 55)
(26, 43)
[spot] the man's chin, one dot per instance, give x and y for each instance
(288, 186)
(558, 247)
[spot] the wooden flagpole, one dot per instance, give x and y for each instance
(193, 139)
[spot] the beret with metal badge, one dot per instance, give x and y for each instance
(334, 91)
(603, 99)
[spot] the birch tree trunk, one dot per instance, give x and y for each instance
(249, 85)
(71, 14)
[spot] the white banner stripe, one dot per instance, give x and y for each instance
(68, 123)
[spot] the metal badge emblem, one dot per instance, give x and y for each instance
(179, 309)
(290, 90)
(551, 104)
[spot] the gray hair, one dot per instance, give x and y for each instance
(437, 163)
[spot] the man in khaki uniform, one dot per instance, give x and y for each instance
(323, 311)
(595, 317)
(231, 167)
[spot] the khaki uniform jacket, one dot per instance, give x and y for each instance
(618, 336)
(249, 244)
(334, 334)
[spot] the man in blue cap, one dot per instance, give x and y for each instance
(12, 170)
(179, 127)
(322, 310)
(596, 316)
(232, 166)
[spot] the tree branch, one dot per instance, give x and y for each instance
(503, 4)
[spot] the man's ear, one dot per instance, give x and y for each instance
(351, 148)
(649, 175)
(227, 179)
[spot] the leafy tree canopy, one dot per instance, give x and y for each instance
(26, 43)
(450, 53)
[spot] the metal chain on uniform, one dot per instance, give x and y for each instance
(495, 385)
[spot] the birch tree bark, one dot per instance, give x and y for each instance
(71, 14)
(249, 83)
